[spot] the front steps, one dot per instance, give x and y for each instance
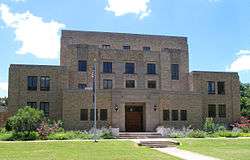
(139, 135)
(158, 144)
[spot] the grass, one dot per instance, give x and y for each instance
(228, 149)
(78, 150)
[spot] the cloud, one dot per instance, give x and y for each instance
(18, 0)
(37, 37)
(212, 1)
(123, 7)
(4, 87)
(242, 62)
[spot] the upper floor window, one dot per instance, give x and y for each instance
(151, 84)
(175, 116)
(44, 83)
(129, 68)
(212, 110)
(106, 46)
(82, 86)
(126, 47)
(151, 68)
(107, 84)
(107, 67)
(32, 83)
(82, 65)
(103, 114)
(130, 83)
(146, 48)
(32, 104)
(175, 71)
(166, 116)
(183, 115)
(221, 87)
(222, 111)
(44, 106)
(83, 114)
(211, 87)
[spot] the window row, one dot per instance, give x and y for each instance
(44, 106)
(126, 47)
(175, 115)
(220, 87)
(88, 114)
(214, 111)
(44, 83)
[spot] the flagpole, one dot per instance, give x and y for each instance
(94, 98)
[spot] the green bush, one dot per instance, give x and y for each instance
(5, 136)
(244, 134)
(69, 135)
(176, 135)
(107, 135)
(24, 136)
(209, 125)
(3, 130)
(197, 134)
(229, 134)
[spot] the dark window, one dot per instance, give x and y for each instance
(44, 83)
(174, 115)
(107, 67)
(126, 47)
(151, 84)
(32, 83)
(92, 114)
(82, 66)
(44, 106)
(84, 114)
(222, 110)
(183, 115)
(166, 115)
(129, 68)
(221, 87)
(151, 68)
(212, 110)
(103, 114)
(211, 87)
(130, 83)
(146, 48)
(107, 84)
(82, 86)
(32, 104)
(105, 46)
(175, 71)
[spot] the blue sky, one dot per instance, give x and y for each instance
(218, 31)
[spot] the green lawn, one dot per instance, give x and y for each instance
(78, 150)
(228, 149)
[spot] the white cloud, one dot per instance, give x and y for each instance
(18, 0)
(37, 37)
(242, 62)
(4, 87)
(122, 7)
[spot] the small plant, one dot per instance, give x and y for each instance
(197, 134)
(209, 125)
(174, 133)
(24, 136)
(229, 134)
(45, 129)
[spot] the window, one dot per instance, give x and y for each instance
(32, 83)
(44, 106)
(221, 87)
(130, 83)
(126, 47)
(84, 114)
(212, 110)
(103, 114)
(82, 86)
(174, 115)
(44, 83)
(222, 111)
(166, 115)
(151, 68)
(183, 115)
(107, 67)
(129, 68)
(146, 48)
(32, 104)
(211, 87)
(151, 84)
(107, 84)
(92, 114)
(82, 66)
(105, 46)
(175, 71)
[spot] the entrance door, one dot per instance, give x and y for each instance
(134, 118)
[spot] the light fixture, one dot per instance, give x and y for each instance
(116, 107)
(155, 107)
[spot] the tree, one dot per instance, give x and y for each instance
(245, 99)
(3, 101)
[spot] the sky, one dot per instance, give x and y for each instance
(218, 31)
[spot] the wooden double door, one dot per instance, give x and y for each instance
(134, 118)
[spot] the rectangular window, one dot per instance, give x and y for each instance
(32, 104)
(175, 71)
(212, 110)
(92, 114)
(175, 116)
(107, 84)
(166, 116)
(146, 48)
(44, 106)
(126, 47)
(103, 114)
(32, 83)
(151, 68)
(183, 115)
(107, 67)
(106, 46)
(129, 68)
(84, 114)
(130, 83)
(211, 87)
(151, 84)
(221, 87)
(222, 111)
(44, 83)
(82, 86)
(82, 66)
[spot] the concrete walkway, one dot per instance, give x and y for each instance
(185, 155)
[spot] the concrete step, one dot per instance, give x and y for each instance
(139, 135)
(158, 144)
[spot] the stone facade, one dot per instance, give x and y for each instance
(189, 92)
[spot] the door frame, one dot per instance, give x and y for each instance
(138, 107)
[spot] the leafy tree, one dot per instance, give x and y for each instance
(245, 99)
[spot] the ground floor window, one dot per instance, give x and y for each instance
(175, 115)
(103, 114)
(92, 114)
(183, 115)
(166, 115)
(222, 110)
(84, 114)
(32, 104)
(212, 110)
(44, 106)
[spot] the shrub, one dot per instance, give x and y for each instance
(229, 134)
(244, 134)
(103, 133)
(197, 134)
(24, 136)
(209, 125)
(3, 130)
(45, 129)
(173, 133)
(69, 135)
(243, 124)
(5, 136)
